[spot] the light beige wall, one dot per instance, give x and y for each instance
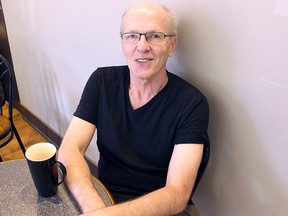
(234, 51)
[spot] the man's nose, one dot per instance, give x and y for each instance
(143, 44)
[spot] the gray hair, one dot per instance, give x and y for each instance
(171, 16)
(172, 20)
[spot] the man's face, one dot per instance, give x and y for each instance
(146, 60)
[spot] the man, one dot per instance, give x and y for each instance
(151, 125)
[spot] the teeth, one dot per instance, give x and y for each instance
(142, 60)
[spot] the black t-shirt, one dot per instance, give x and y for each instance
(136, 145)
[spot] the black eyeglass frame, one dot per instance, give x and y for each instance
(144, 34)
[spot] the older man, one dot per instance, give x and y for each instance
(151, 125)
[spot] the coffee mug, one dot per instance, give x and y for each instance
(44, 168)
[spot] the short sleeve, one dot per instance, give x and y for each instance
(193, 129)
(87, 108)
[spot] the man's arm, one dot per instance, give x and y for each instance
(172, 198)
(71, 154)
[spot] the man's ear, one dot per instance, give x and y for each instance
(173, 45)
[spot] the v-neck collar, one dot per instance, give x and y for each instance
(149, 103)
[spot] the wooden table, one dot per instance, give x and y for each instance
(18, 195)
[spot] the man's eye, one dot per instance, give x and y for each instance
(155, 36)
(132, 36)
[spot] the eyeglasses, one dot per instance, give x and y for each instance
(151, 37)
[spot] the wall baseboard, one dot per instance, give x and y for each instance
(47, 132)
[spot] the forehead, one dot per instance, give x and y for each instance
(145, 19)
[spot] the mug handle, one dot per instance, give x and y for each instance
(63, 171)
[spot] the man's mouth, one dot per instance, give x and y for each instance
(142, 60)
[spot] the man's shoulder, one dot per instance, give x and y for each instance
(109, 72)
(113, 69)
(110, 76)
(183, 86)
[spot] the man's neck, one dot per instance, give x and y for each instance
(142, 91)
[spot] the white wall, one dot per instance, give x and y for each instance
(234, 51)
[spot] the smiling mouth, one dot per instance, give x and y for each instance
(143, 60)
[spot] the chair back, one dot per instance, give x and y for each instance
(6, 85)
(7, 128)
(2, 95)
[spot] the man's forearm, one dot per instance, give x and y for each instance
(79, 182)
(165, 201)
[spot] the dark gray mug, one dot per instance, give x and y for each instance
(44, 168)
